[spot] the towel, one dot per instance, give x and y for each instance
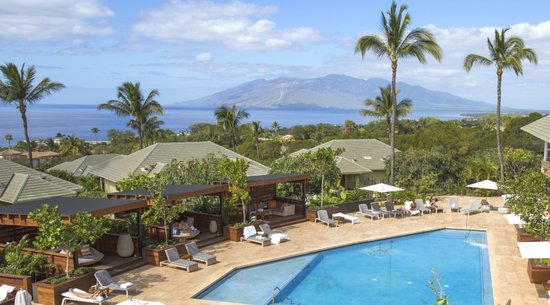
(277, 237)
(249, 231)
(126, 285)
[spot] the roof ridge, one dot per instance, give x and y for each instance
(18, 193)
(244, 157)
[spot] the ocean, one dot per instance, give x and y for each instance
(46, 120)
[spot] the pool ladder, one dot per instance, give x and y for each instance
(273, 294)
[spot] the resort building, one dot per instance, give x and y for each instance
(79, 166)
(361, 163)
(38, 157)
(19, 183)
(153, 158)
(541, 129)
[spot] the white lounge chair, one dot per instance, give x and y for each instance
(421, 207)
(104, 280)
(175, 261)
(410, 211)
(250, 234)
(364, 210)
(6, 293)
(77, 295)
(322, 216)
(475, 207)
(196, 255)
(453, 204)
(350, 218)
(276, 237)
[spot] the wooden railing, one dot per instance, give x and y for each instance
(17, 281)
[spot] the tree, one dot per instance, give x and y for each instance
(235, 173)
(275, 128)
(151, 128)
(397, 43)
(381, 106)
(230, 119)
(323, 161)
(8, 137)
(95, 131)
(73, 145)
(257, 132)
(131, 102)
(18, 89)
(505, 54)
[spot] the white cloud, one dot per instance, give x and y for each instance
(52, 20)
(203, 57)
(236, 25)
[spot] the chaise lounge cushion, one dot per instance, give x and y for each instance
(86, 260)
(284, 209)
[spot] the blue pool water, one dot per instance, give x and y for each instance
(389, 271)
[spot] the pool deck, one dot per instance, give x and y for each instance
(508, 270)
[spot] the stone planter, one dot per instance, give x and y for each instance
(538, 274)
(50, 294)
(154, 256)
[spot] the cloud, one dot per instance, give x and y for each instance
(236, 25)
(53, 20)
(203, 57)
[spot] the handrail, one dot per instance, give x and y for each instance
(273, 294)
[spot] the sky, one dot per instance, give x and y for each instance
(189, 49)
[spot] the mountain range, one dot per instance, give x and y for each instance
(331, 91)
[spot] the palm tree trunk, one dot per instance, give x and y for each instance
(140, 135)
(499, 143)
(23, 110)
(322, 189)
(257, 149)
(393, 119)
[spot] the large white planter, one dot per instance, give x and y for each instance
(125, 245)
(213, 226)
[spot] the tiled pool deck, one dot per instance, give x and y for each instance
(508, 270)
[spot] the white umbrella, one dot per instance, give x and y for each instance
(514, 219)
(22, 297)
(381, 188)
(485, 184)
(534, 249)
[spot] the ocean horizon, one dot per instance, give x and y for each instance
(46, 120)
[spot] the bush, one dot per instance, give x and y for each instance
(13, 261)
(75, 273)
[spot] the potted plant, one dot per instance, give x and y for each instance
(154, 252)
(235, 231)
(48, 291)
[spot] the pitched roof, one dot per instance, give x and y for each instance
(143, 161)
(10, 152)
(360, 155)
(19, 183)
(78, 167)
(539, 128)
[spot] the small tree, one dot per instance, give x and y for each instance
(323, 162)
(54, 232)
(235, 173)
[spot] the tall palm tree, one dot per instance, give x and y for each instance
(397, 43)
(381, 107)
(505, 54)
(18, 89)
(73, 145)
(230, 119)
(151, 128)
(95, 131)
(257, 132)
(132, 103)
(8, 137)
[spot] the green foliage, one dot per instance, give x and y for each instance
(134, 182)
(13, 261)
(75, 273)
(92, 187)
(235, 173)
(62, 174)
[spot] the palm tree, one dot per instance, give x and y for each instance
(18, 89)
(257, 132)
(275, 128)
(230, 119)
(504, 54)
(72, 145)
(8, 137)
(131, 103)
(397, 43)
(381, 107)
(95, 131)
(151, 128)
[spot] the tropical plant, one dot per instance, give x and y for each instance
(395, 43)
(73, 145)
(257, 131)
(13, 260)
(505, 54)
(8, 137)
(230, 119)
(235, 173)
(381, 106)
(151, 128)
(95, 131)
(18, 89)
(441, 297)
(131, 102)
(275, 128)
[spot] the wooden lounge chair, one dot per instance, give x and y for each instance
(175, 261)
(322, 216)
(196, 255)
(250, 234)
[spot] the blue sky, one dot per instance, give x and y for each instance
(188, 49)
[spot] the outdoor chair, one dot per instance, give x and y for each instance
(322, 216)
(453, 204)
(475, 207)
(410, 211)
(376, 208)
(352, 219)
(196, 255)
(250, 234)
(276, 237)
(6, 294)
(421, 207)
(364, 210)
(104, 280)
(175, 261)
(391, 209)
(77, 295)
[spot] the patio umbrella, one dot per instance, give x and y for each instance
(22, 297)
(381, 188)
(485, 184)
(514, 219)
(534, 249)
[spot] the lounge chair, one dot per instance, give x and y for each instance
(390, 208)
(77, 295)
(276, 237)
(175, 261)
(322, 216)
(376, 208)
(421, 207)
(410, 211)
(453, 204)
(364, 210)
(90, 258)
(6, 294)
(196, 255)
(104, 280)
(352, 219)
(475, 207)
(250, 234)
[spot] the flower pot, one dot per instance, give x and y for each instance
(125, 245)
(537, 274)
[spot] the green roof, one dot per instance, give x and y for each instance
(539, 128)
(160, 154)
(19, 183)
(360, 155)
(78, 167)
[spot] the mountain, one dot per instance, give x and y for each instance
(331, 91)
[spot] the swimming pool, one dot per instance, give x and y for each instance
(389, 271)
